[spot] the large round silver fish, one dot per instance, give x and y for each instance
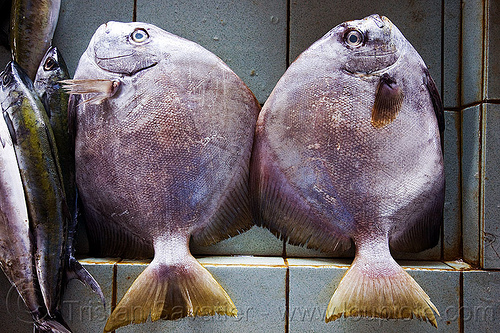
(348, 150)
(164, 132)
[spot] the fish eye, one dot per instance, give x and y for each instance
(6, 79)
(50, 64)
(139, 35)
(353, 38)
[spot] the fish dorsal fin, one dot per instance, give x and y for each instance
(436, 103)
(388, 101)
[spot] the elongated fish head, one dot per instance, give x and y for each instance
(52, 69)
(14, 83)
(128, 48)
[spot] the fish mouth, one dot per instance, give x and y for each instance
(371, 62)
(125, 63)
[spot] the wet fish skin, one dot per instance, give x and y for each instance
(16, 247)
(159, 160)
(48, 85)
(36, 154)
(348, 152)
(16, 240)
(33, 24)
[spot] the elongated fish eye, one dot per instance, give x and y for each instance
(50, 64)
(353, 38)
(139, 35)
(6, 79)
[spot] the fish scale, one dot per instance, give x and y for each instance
(171, 147)
(351, 138)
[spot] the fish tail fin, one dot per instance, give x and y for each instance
(76, 271)
(171, 291)
(382, 293)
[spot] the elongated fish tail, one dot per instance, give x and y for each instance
(378, 291)
(76, 271)
(171, 292)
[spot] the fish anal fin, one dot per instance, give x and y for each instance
(389, 293)
(232, 216)
(281, 208)
(422, 229)
(171, 292)
(388, 101)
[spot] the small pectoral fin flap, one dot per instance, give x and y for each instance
(388, 101)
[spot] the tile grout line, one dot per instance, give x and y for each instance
(442, 94)
(134, 14)
(287, 55)
(287, 296)
(461, 327)
(114, 288)
(482, 126)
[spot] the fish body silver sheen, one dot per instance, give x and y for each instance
(348, 152)
(164, 132)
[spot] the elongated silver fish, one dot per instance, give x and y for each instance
(17, 249)
(47, 84)
(32, 26)
(348, 150)
(41, 175)
(164, 132)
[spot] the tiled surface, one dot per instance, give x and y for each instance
(312, 283)
(491, 187)
(481, 307)
(493, 51)
(78, 20)
(257, 286)
(256, 241)
(14, 315)
(472, 54)
(82, 308)
(471, 182)
(452, 228)
(250, 36)
(451, 54)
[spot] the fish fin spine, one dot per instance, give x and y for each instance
(171, 292)
(387, 293)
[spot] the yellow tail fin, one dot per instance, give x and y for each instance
(383, 293)
(171, 292)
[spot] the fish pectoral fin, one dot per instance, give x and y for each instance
(10, 127)
(388, 101)
(171, 292)
(103, 89)
(77, 271)
(389, 293)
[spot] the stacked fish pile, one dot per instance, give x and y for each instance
(37, 204)
(169, 146)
